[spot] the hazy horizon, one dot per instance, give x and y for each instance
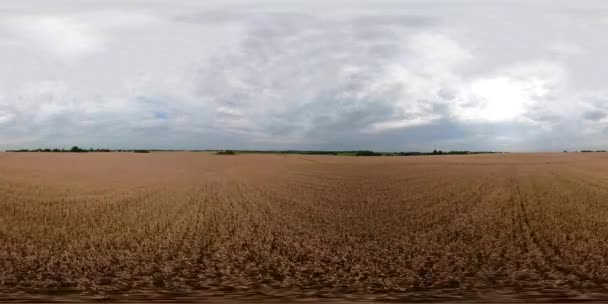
(424, 152)
(509, 76)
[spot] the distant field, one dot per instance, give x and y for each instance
(517, 226)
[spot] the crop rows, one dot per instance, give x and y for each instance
(409, 228)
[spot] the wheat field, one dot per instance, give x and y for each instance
(192, 225)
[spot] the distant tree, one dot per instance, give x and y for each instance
(458, 152)
(367, 153)
(225, 152)
(76, 149)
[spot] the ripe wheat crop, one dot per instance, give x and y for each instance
(197, 224)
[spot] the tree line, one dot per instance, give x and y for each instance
(76, 149)
(349, 153)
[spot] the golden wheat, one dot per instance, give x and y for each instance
(288, 225)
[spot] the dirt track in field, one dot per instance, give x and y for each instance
(529, 227)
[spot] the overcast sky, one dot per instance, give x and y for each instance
(382, 75)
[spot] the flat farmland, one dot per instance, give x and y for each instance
(193, 225)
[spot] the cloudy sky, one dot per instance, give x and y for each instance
(383, 75)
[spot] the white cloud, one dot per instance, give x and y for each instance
(70, 36)
(6, 115)
(511, 93)
(436, 52)
(400, 124)
(60, 35)
(566, 49)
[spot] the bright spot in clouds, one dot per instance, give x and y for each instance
(499, 99)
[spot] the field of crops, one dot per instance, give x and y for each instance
(520, 226)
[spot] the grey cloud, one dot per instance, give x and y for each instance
(294, 73)
(405, 20)
(382, 75)
(595, 115)
(210, 18)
